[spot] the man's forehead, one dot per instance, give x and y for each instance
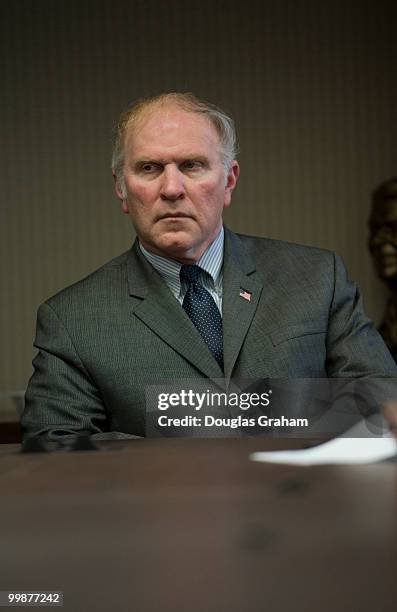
(168, 120)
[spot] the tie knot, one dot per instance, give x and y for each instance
(190, 274)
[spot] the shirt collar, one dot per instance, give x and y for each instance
(211, 261)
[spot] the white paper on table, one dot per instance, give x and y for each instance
(342, 450)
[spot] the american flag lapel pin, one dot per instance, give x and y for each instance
(246, 295)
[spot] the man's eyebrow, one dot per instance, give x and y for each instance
(139, 162)
(171, 158)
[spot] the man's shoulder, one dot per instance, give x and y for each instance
(285, 253)
(110, 278)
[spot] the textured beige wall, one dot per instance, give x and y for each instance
(312, 87)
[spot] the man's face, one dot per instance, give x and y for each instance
(175, 183)
(383, 238)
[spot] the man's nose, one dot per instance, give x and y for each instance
(172, 187)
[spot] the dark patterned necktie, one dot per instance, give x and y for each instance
(200, 306)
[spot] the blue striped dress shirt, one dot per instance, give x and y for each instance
(211, 263)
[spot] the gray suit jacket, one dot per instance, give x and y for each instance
(102, 341)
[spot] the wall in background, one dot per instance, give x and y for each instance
(312, 88)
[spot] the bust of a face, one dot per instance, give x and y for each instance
(383, 231)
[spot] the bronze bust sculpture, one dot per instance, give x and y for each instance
(383, 246)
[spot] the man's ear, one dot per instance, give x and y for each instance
(120, 193)
(231, 181)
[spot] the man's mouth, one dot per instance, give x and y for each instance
(175, 215)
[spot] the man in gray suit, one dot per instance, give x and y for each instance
(191, 300)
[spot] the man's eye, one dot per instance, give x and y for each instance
(147, 168)
(192, 164)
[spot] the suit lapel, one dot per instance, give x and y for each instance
(157, 308)
(238, 311)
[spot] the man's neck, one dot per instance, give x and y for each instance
(188, 258)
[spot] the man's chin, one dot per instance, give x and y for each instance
(175, 245)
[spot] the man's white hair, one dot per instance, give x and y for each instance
(188, 102)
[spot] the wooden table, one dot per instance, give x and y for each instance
(175, 525)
